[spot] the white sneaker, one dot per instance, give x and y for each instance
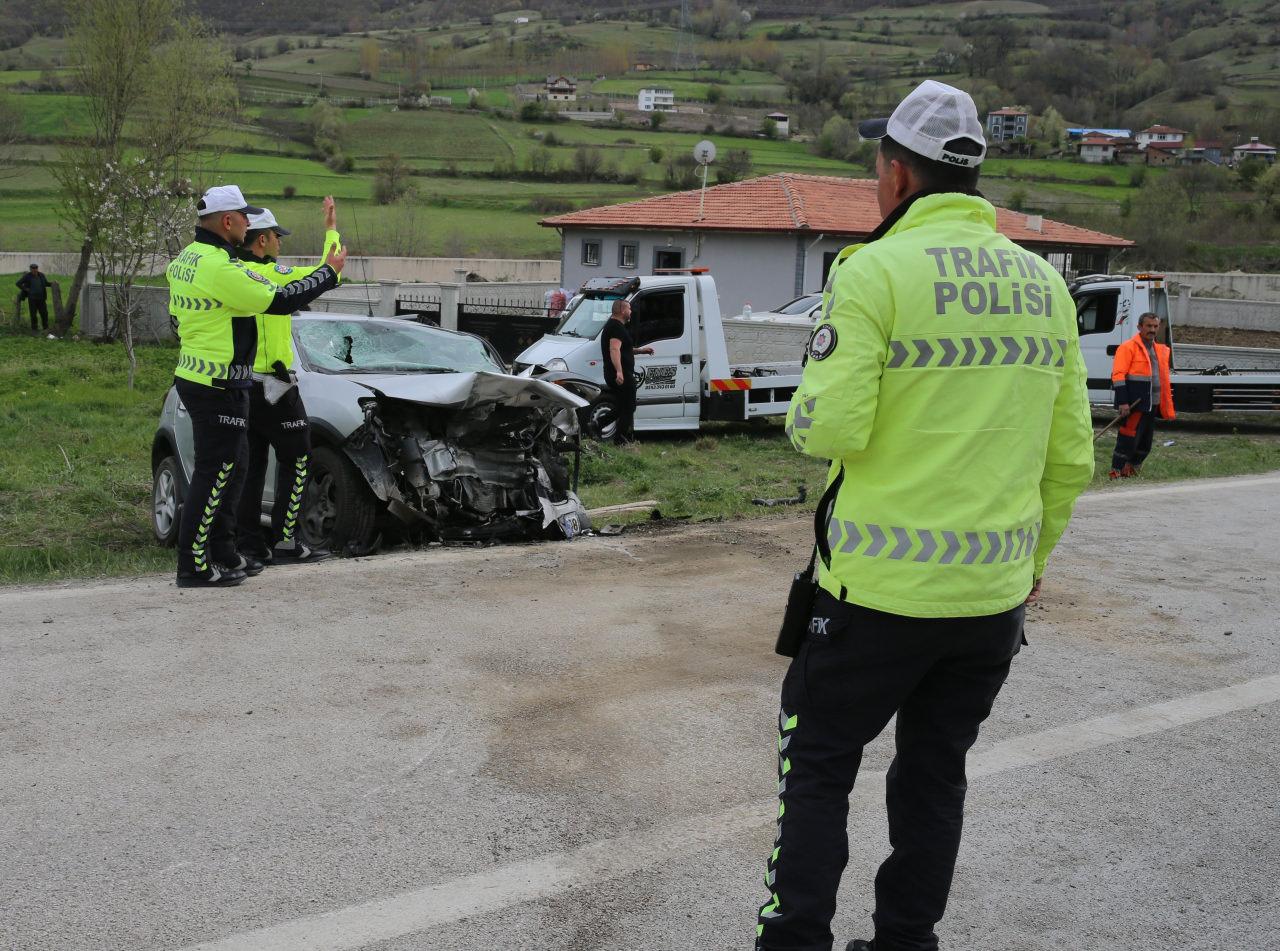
(51, 337)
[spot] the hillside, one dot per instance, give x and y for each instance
(481, 177)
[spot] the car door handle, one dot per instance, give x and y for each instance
(686, 358)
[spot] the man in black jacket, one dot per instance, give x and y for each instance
(35, 288)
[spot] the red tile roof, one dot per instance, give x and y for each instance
(1164, 130)
(788, 203)
(1254, 147)
(1006, 112)
(1099, 140)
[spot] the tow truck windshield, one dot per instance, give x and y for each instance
(586, 317)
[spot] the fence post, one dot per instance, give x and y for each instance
(1183, 317)
(388, 292)
(450, 304)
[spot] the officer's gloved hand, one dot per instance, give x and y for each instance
(279, 371)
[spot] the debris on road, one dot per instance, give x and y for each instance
(611, 529)
(644, 506)
(798, 498)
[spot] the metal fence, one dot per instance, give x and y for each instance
(511, 326)
(425, 307)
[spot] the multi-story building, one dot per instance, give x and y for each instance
(1161, 135)
(561, 89)
(1005, 125)
(656, 100)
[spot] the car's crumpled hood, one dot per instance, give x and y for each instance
(464, 390)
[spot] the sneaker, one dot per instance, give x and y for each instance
(51, 337)
(297, 554)
(248, 564)
(1115, 474)
(1128, 471)
(215, 576)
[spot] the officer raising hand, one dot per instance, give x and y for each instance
(215, 300)
(277, 417)
(944, 382)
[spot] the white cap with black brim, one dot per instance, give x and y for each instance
(263, 220)
(225, 198)
(932, 115)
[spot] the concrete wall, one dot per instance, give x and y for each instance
(751, 341)
(756, 268)
(1236, 286)
(371, 268)
(150, 325)
(1188, 311)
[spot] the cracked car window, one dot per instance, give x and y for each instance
(359, 346)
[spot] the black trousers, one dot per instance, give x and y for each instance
(625, 397)
(1133, 441)
(219, 423)
(40, 307)
(281, 426)
(855, 670)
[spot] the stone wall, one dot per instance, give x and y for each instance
(1232, 286)
(754, 341)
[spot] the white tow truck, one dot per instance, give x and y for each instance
(688, 378)
(1107, 310)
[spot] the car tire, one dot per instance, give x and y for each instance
(600, 419)
(168, 488)
(339, 511)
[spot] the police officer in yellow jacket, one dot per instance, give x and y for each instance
(277, 417)
(215, 300)
(945, 384)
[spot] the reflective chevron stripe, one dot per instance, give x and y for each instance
(787, 724)
(948, 352)
(801, 422)
(215, 371)
(295, 498)
(931, 546)
(201, 541)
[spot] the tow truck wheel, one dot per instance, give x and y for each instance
(600, 419)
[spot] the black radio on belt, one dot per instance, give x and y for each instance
(804, 586)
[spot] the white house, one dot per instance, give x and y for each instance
(769, 239)
(1098, 149)
(1253, 149)
(781, 124)
(656, 100)
(1160, 135)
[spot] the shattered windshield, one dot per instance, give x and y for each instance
(364, 346)
(586, 317)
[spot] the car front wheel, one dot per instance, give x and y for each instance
(338, 509)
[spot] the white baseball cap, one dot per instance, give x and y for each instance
(932, 115)
(265, 219)
(225, 198)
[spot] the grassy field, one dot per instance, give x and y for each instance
(75, 475)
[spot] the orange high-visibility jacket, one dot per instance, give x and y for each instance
(1131, 376)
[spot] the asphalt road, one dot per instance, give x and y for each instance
(569, 747)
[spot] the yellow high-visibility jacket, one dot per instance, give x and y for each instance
(944, 381)
(275, 334)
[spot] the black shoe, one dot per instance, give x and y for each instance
(248, 564)
(857, 944)
(297, 554)
(215, 576)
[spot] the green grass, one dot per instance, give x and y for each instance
(86, 513)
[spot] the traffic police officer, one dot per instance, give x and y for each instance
(214, 299)
(945, 384)
(277, 418)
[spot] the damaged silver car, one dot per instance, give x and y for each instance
(416, 431)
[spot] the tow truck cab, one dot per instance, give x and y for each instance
(666, 314)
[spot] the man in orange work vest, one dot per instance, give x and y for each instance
(1140, 370)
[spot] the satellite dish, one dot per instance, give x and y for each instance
(705, 152)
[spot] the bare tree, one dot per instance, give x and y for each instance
(142, 216)
(156, 85)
